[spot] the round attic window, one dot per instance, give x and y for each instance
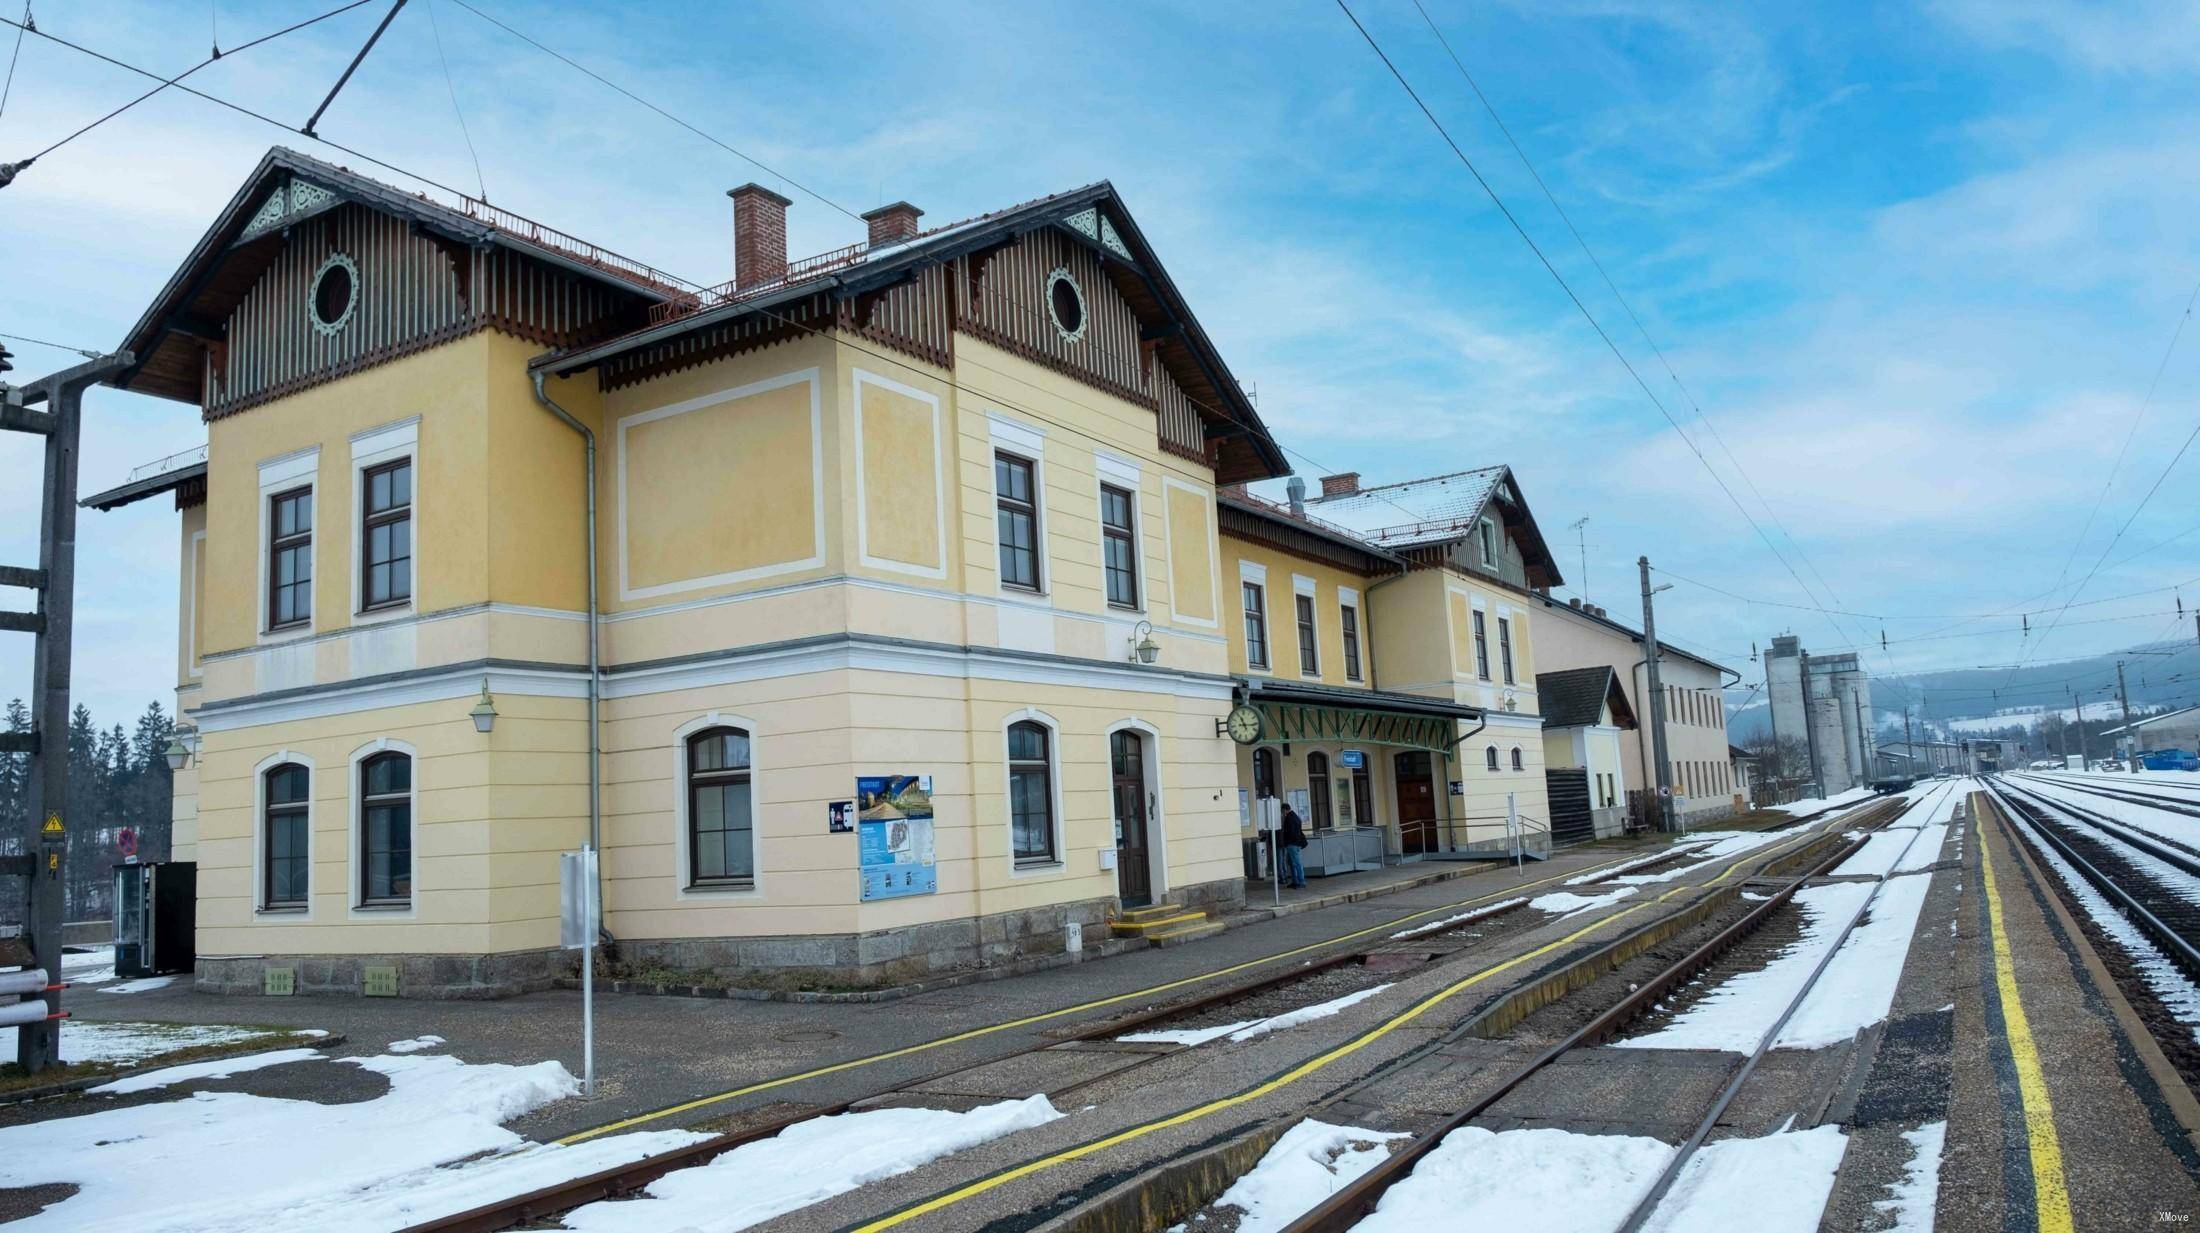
(1066, 304)
(335, 293)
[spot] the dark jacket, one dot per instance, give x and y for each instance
(1294, 831)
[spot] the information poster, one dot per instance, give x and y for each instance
(894, 825)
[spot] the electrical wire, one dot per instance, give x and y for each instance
(86, 352)
(13, 56)
(165, 83)
(436, 29)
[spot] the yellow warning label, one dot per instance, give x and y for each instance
(53, 824)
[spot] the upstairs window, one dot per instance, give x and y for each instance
(1481, 650)
(1348, 622)
(1016, 494)
(1489, 757)
(1309, 655)
(1119, 546)
(385, 549)
(1505, 647)
(1488, 538)
(290, 558)
(385, 830)
(721, 813)
(1517, 765)
(284, 857)
(1256, 626)
(1030, 793)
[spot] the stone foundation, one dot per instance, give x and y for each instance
(847, 961)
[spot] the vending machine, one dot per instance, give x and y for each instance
(156, 917)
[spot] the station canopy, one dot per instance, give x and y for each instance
(1303, 712)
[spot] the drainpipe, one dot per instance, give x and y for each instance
(595, 676)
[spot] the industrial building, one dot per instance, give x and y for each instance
(2179, 729)
(1826, 702)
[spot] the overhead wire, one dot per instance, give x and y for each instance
(9, 88)
(86, 352)
(436, 28)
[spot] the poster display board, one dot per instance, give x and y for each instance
(894, 835)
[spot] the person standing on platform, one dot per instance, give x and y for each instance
(1294, 838)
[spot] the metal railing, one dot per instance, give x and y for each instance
(731, 290)
(541, 235)
(173, 462)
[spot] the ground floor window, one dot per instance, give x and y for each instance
(1317, 791)
(385, 830)
(1363, 797)
(1031, 793)
(721, 816)
(286, 857)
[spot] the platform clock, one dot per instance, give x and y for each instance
(1243, 725)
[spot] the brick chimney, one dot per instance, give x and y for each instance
(891, 224)
(1341, 485)
(759, 235)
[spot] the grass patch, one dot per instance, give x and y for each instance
(143, 1046)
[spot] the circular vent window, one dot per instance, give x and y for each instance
(1066, 304)
(335, 291)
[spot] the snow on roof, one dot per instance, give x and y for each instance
(1417, 511)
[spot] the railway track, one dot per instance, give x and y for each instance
(546, 1204)
(1349, 1205)
(2170, 920)
(2186, 805)
(2100, 829)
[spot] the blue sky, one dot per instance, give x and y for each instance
(1917, 264)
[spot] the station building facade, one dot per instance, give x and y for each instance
(909, 637)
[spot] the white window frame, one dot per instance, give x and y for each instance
(1113, 472)
(1348, 597)
(1059, 866)
(684, 888)
(1301, 585)
(260, 911)
(1255, 574)
(373, 448)
(356, 836)
(1023, 441)
(285, 474)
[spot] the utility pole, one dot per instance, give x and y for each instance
(46, 782)
(1810, 730)
(1909, 743)
(1657, 698)
(2131, 750)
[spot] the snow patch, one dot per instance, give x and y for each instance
(222, 1068)
(415, 1045)
(1911, 1201)
(140, 985)
(1551, 1181)
(1250, 1028)
(85, 1040)
(1566, 903)
(1312, 1161)
(806, 1163)
(1776, 1184)
(2177, 991)
(1461, 919)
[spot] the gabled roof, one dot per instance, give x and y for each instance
(288, 187)
(1576, 697)
(1441, 509)
(1094, 214)
(1610, 625)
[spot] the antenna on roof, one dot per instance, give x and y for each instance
(1581, 540)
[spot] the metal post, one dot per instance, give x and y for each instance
(2131, 744)
(588, 977)
(1657, 701)
(1512, 825)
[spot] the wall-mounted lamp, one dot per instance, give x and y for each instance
(179, 755)
(485, 711)
(1143, 648)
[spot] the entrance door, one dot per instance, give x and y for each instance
(1416, 803)
(1133, 873)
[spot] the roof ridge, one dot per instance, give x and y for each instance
(1426, 479)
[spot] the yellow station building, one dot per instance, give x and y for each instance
(905, 640)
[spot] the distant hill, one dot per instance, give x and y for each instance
(1973, 700)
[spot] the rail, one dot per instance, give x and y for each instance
(173, 462)
(544, 236)
(731, 290)
(2175, 946)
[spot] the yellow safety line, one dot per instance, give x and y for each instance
(2050, 1192)
(766, 1085)
(1293, 1075)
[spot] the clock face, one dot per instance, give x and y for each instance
(1244, 725)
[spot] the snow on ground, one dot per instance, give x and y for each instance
(2176, 990)
(1776, 1184)
(363, 1167)
(88, 967)
(168, 1076)
(1312, 1161)
(1812, 804)
(1461, 919)
(2176, 881)
(1551, 1181)
(1913, 1199)
(140, 985)
(1858, 987)
(1249, 1028)
(806, 1163)
(1713, 849)
(1738, 1013)
(123, 1043)
(1879, 853)
(1567, 903)
(415, 1045)
(2161, 823)
(1665, 853)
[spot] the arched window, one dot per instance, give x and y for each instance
(1317, 791)
(1264, 774)
(721, 820)
(286, 859)
(1489, 757)
(385, 830)
(1516, 759)
(1031, 793)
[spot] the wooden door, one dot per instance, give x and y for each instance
(1133, 869)
(1416, 803)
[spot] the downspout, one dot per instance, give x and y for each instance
(595, 675)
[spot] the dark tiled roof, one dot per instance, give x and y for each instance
(1575, 697)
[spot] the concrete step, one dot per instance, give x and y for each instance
(1186, 931)
(1146, 922)
(1151, 912)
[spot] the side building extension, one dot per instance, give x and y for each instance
(908, 623)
